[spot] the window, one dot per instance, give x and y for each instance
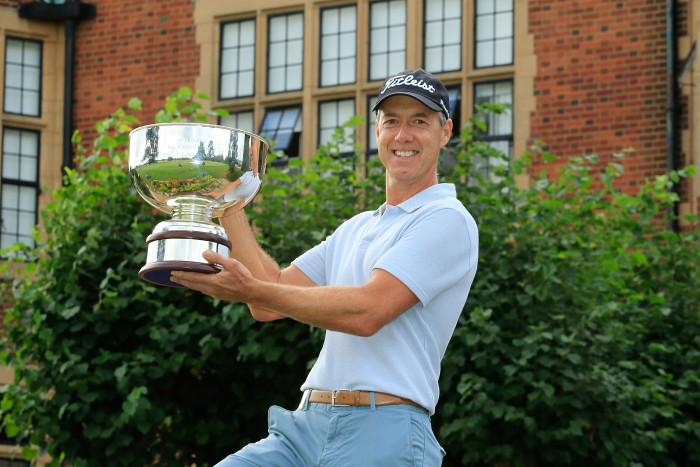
(237, 61)
(387, 38)
(20, 185)
(285, 54)
(13, 463)
(499, 127)
(22, 93)
(333, 115)
(455, 105)
(442, 36)
(493, 42)
(372, 147)
(241, 120)
(338, 45)
(284, 126)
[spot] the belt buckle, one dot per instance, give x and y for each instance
(333, 393)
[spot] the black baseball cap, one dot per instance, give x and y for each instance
(418, 84)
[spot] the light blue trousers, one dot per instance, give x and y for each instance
(331, 436)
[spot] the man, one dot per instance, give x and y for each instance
(387, 285)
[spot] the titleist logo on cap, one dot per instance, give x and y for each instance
(407, 80)
(418, 84)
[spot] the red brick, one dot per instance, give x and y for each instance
(148, 53)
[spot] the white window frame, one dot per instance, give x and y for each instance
(242, 120)
(387, 38)
(333, 115)
(237, 59)
(499, 127)
(337, 60)
(285, 52)
(23, 76)
(442, 35)
(285, 122)
(19, 190)
(493, 33)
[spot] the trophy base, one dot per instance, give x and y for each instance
(159, 272)
(180, 251)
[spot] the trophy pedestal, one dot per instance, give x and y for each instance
(181, 250)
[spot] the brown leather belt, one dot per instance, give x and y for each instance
(357, 398)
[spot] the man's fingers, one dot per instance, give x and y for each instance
(222, 285)
(189, 279)
(213, 257)
(197, 280)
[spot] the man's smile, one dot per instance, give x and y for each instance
(405, 153)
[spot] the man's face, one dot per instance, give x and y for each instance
(409, 138)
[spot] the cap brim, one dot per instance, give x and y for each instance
(424, 100)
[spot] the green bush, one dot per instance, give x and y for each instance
(138, 374)
(578, 344)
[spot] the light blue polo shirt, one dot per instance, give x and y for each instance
(429, 242)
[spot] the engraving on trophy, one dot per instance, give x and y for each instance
(193, 172)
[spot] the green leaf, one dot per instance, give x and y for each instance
(29, 453)
(68, 313)
(135, 103)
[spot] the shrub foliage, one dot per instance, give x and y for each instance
(578, 344)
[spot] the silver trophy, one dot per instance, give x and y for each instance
(194, 172)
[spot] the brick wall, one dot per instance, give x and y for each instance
(133, 48)
(600, 84)
(601, 81)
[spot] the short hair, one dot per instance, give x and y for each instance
(443, 119)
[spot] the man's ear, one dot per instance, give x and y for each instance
(446, 132)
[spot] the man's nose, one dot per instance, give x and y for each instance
(404, 133)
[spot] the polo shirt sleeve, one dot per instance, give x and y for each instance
(434, 253)
(313, 263)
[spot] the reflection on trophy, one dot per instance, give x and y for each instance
(194, 172)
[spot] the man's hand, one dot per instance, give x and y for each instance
(233, 283)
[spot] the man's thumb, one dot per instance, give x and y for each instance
(213, 257)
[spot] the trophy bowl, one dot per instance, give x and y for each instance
(194, 172)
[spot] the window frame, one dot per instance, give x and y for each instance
(338, 57)
(343, 150)
(40, 91)
(236, 115)
(475, 42)
(295, 136)
(443, 45)
(503, 137)
(371, 148)
(19, 183)
(12, 462)
(455, 109)
(238, 71)
(269, 71)
(389, 52)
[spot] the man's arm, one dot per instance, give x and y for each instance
(359, 310)
(245, 248)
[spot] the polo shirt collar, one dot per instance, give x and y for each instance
(418, 200)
